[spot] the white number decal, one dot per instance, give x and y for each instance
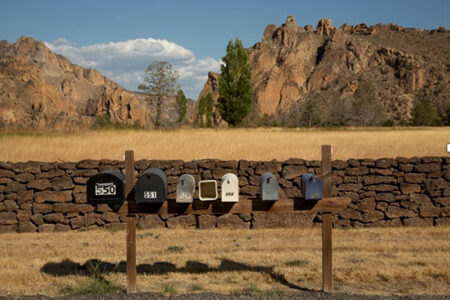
(105, 189)
(149, 194)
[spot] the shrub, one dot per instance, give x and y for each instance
(424, 114)
(104, 122)
(388, 123)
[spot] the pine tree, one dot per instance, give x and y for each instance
(235, 88)
(180, 106)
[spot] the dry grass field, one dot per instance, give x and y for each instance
(394, 261)
(226, 144)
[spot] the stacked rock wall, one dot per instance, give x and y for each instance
(47, 197)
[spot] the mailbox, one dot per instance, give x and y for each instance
(186, 189)
(269, 187)
(106, 187)
(151, 187)
(230, 188)
(207, 190)
(311, 187)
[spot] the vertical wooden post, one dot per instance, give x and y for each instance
(131, 224)
(327, 277)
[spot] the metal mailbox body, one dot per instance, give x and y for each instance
(151, 187)
(269, 187)
(207, 190)
(230, 188)
(106, 187)
(311, 187)
(185, 189)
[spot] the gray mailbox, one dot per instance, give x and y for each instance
(230, 188)
(106, 187)
(186, 189)
(311, 187)
(207, 190)
(269, 187)
(151, 187)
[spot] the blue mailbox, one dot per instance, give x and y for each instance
(311, 187)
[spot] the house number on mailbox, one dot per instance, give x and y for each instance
(150, 195)
(105, 189)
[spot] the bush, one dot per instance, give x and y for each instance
(424, 114)
(388, 123)
(447, 116)
(104, 122)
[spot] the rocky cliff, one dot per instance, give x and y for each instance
(42, 90)
(399, 66)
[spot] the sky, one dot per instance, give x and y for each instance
(121, 38)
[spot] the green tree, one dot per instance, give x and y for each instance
(235, 87)
(366, 110)
(201, 111)
(310, 115)
(205, 108)
(160, 80)
(180, 106)
(424, 114)
(209, 109)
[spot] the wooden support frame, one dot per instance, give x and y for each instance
(245, 205)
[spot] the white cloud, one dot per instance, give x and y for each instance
(125, 62)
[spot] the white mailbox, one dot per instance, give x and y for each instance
(230, 188)
(207, 190)
(186, 189)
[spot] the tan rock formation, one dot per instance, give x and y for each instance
(293, 63)
(42, 90)
(324, 27)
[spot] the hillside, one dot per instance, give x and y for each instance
(44, 91)
(353, 75)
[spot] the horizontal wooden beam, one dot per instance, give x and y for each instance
(245, 205)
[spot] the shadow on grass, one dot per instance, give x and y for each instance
(68, 267)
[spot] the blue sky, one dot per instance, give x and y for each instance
(120, 38)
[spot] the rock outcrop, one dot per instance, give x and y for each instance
(292, 64)
(42, 90)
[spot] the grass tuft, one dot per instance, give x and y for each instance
(250, 289)
(296, 263)
(196, 287)
(169, 289)
(176, 249)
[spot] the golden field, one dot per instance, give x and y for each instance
(226, 144)
(394, 261)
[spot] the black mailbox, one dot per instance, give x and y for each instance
(151, 187)
(269, 187)
(311, 186)
(106, 187)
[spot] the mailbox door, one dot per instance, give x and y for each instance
(151, 187)
(207, 190)
(230, 188)
(106, 188)
(269, 187)
(186, 189)
(312, 187)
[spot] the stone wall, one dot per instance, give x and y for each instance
(46, 197)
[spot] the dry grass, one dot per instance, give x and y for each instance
(228, 144)
(371, 261)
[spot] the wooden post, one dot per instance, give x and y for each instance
(131, 224)
(327, 279)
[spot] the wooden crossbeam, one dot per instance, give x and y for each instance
(245, 205)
